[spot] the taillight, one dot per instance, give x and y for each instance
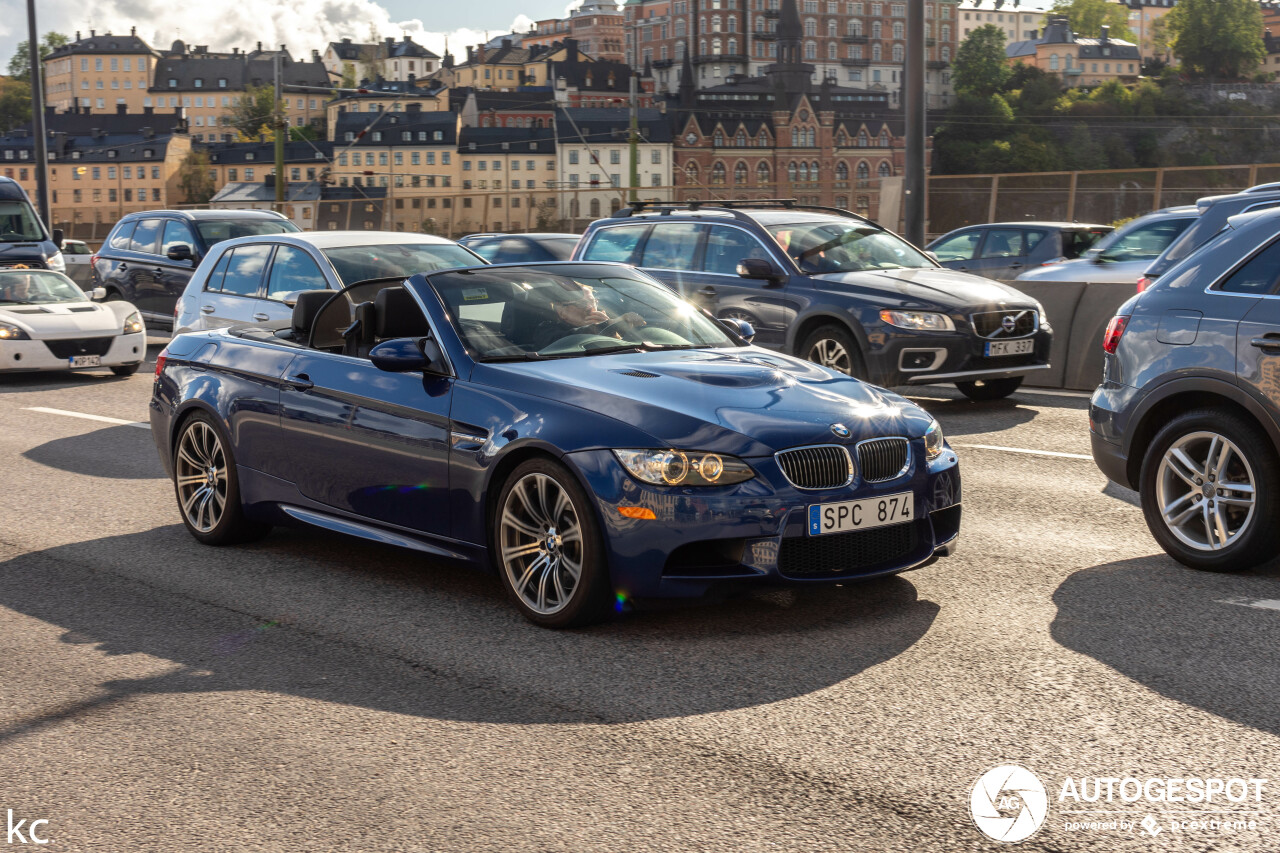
(1143, 284)
(93, 260)
(160, 360)
(1115, 330)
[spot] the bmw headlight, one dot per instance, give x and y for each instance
(934, 443)
(58, 263)
(919, 321)
(12, 333)
(133, 323)
(677, 468)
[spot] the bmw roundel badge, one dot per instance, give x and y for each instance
(840, 430)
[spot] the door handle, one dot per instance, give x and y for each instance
(208, 309)
(707, 291)
(260, 316)
(300, 382)
(1269, 342)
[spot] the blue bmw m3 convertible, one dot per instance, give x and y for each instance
(575, 426)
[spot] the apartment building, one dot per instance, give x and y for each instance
(506, 173)
(250, 162)
(594, 159)
(1020, 22)
(860, 43)
(1079, 61)
(388, 59)
(428, 96)
(100, 73)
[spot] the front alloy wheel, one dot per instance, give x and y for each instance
(548, 548)
(833, 348)
(1205, 491)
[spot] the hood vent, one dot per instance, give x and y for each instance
(638, 374)
(80, 309)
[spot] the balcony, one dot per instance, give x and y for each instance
(707, 58)
(855, 63)
(764, 35)
(1072, 71)
(663, 63)
(930, 42)
(938, 63)
(854, 39)
(772, 13)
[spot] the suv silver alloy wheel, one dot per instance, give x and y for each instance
(1205, 491)
(201, 476)
(830, 353)
(541, 543)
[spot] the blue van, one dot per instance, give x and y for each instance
(24, 241)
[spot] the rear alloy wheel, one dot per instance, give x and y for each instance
(547, 547)
(989, 389)
(834, 348)
(1207, 487)
(208, 489)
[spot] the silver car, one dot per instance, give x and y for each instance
(1123, 255)
(256, 280)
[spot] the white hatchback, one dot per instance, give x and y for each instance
(254, 281)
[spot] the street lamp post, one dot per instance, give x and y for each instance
(37, 118)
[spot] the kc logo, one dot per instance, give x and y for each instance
(15, 830)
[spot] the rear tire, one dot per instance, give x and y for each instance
(989, 389)
(547, 547)
(834, 348)
(1208, 525)
(207, 486)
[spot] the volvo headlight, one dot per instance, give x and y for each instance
(58, 263)
(919, 321)
(934, 443)
(677, 468)
(133, 323)
(12, 333)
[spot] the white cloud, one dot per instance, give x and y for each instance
(302, 25)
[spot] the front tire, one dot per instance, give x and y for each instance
(1208, 490)
(834, 348)
(207, 486)
(126, 369)
(547, 547)
(989, 389)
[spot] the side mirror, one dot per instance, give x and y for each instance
(98, 294)
(933, 256)
(404, 355)
(758, 268)
(741, 328)
(180, 252)
(57, 237)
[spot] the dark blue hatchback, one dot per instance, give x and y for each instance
(577, 427)
(834, 288)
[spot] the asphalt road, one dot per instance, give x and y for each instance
(314, 693)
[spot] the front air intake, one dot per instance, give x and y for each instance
(823, 466)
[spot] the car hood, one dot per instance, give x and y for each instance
(28, 251)
(63, 319)
(1085, 270)
(743, 401)
(935, 288)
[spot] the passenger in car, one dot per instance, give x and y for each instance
(575, 313)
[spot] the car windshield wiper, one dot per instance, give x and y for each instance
(525, 356)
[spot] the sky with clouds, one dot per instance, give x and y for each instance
(303, 25)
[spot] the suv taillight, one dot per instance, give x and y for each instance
(160, 360)
(1115, 330)
(1143, 284)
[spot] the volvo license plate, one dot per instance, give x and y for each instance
(84, 361)
(861, 515)
(1011, 347)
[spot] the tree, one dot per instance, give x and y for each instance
(981, 68)
(1217, 38)
(15, 103)
(1160, 38)
(20, 62)
(194, 178)
(252, 116)
(1087, 17)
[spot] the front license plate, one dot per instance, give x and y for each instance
(84, 361)
(861, 515)
(1010, 347)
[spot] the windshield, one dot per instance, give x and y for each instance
(360, 263)
(216, 230)
(1138, 240)
(18, 223)
(519, 313)
(37, 287)
(846, 246)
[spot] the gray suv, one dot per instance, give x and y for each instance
(1213, 212)
(1189, 409)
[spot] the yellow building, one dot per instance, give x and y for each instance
(100, 72)
(1078, 61)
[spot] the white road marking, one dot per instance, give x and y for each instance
(1257, 603)
(1027, 451)
(83, 416)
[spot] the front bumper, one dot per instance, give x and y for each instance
(950, 357)
(757, 531)
(22, 356)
